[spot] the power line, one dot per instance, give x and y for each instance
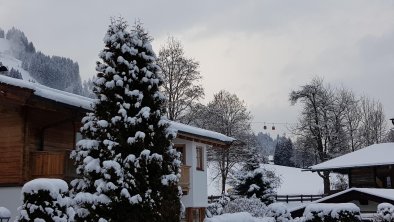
(274, 124)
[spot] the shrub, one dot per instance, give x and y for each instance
(344, 212)
(217, 207)
(278, 211)
(385, 213)
(251, 205)
(45, 200)
(4, 212)
(238, 217)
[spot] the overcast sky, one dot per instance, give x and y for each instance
(259, 50)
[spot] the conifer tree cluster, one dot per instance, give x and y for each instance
(129, 170)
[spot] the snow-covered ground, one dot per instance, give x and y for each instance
(238, 217)
(10, 61)
(294, 181)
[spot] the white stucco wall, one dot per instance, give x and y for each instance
(198, 192)
(10, 198)
(199, 179)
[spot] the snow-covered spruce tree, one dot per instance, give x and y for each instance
(253, 180)
(128, 167)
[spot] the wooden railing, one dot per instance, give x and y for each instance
(47, 164)
(298, 198)
(185, 177)
(280, 198)
(51, 164)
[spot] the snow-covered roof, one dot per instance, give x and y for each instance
(183, 128)
(85, 103)
(49, 93)
(374, 155)
(378, 192)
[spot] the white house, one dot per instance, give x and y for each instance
(39, 126)
(193, 143)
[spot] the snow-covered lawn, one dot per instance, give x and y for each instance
(294, 181)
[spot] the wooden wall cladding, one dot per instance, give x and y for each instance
(11, 146)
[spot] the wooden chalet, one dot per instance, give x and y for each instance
(39, 126)
(370, 167)
(38, 129)
(370, 173)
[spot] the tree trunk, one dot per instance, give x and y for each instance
(223, 183)
(326, 181)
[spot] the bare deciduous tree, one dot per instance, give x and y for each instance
(227, 114)
(373, 127)
(334, 122)
(181, 79)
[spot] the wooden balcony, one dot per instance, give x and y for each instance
(50, 164)
(185, 178)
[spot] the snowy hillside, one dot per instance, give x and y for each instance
(294, 181)
(10, 61)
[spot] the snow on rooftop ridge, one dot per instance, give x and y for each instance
(376, 154)
(50, 93)
(379, 192)
(180, 127)
(86, 103)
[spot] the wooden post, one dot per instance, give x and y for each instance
(301, 199)
(287, 198)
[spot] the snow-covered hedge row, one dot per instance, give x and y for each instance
(327, 212)
(216, 208)
(4, 212)
(252, 205)
(45, 200)
(276, 211)
(385, 213)
(238, 217)
(279, 212)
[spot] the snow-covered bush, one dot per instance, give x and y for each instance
(278, 211)
(251, 205)
(339, 182)
(385, 213)
(217, 207)
(4, 212)
(327, 212)
(45, 200)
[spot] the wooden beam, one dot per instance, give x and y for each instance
(202, 140)
(26, 152)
